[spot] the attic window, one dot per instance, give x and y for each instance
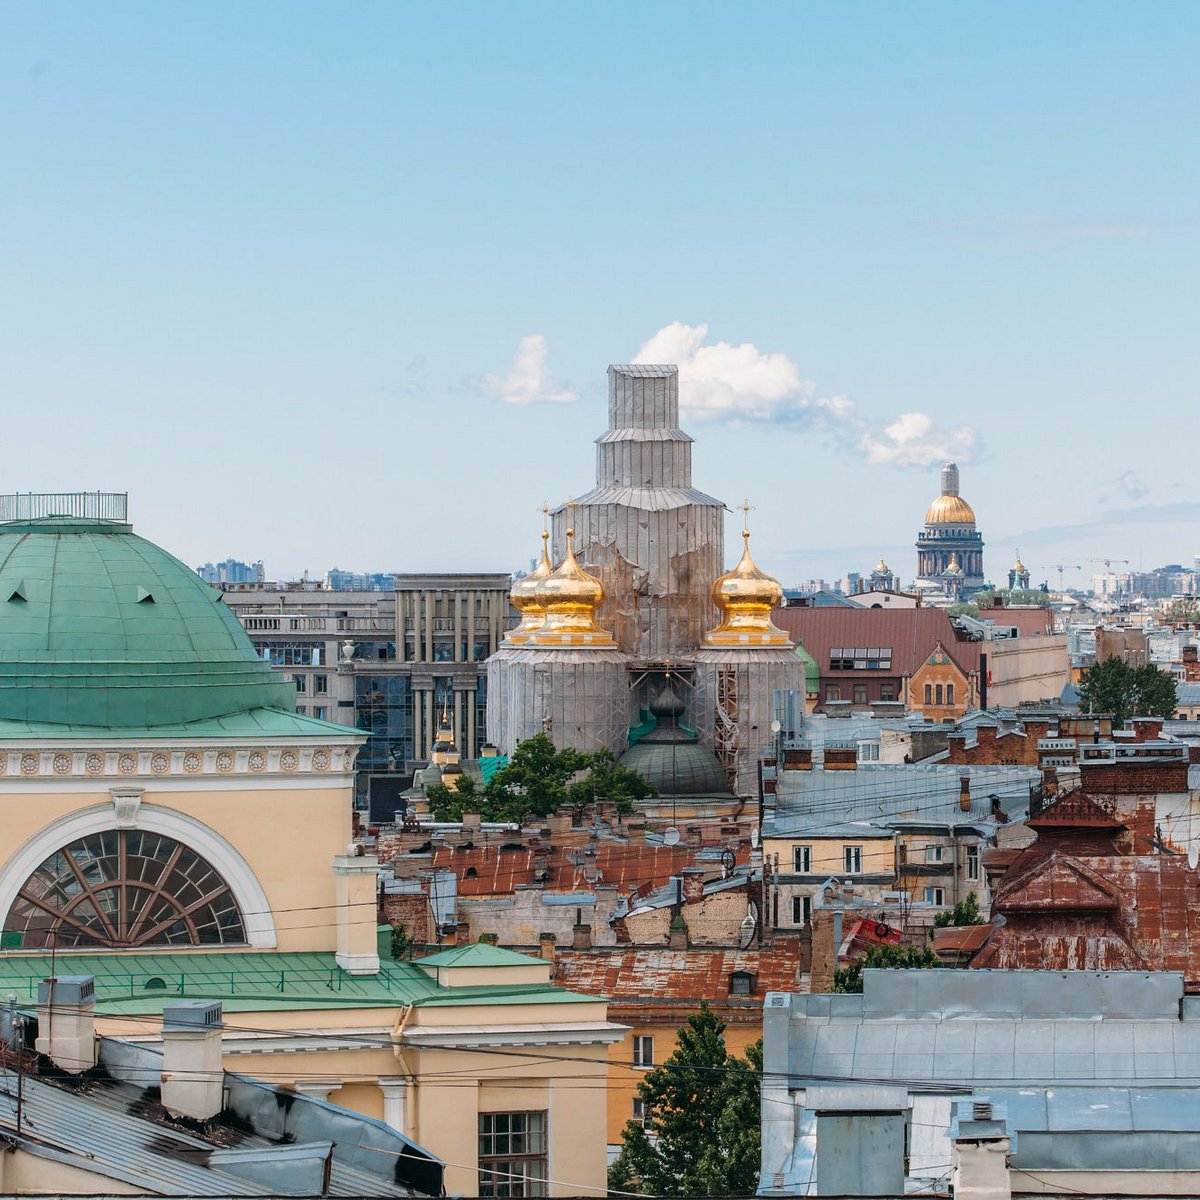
(144, 597)
(741, 983)
(18, 593)
(471, 873)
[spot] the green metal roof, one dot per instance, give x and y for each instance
(101, 628)
(255, 981)
(490, 765)
(479, 954)
(259, 723)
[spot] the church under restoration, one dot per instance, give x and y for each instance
(639, 640)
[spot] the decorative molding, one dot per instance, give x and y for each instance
(126, 801)
(54, 760)
(564, 1033)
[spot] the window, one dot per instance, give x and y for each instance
(860, 658)
(290, 654)
(933, 854)
(741, 983)
(860, 693)
(852, 860)
(801, 910)
(320, 684)
(802, 860)
(938, 694)
(929, 693)
(972, 862)
(868, 751)
(639, 1110)
(123, 887)
(949, 693)
(832, 691)
(935, 896)
(321, 713)
(887, 691)
(512, 1154)
(643, 1050)
(301, 683)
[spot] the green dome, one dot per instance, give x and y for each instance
(102, 628)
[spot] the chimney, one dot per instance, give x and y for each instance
(1146, 729)
(677, 936)
(980, 1150)
(193, 1080)
(66, 1012)
(581, 936)
(964, 793)
(546, 943)
(1189, 653)
(355, 886)
(693, 885)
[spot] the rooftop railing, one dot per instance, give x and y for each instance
(97, 506)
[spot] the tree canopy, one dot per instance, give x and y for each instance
(537, 781)
(1115, 687)
(1182, 612)
(849, 979)
(703, 1114)
(964, 912)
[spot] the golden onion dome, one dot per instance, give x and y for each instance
(953, 568)
(881, 568)
(746, 597)
(569, 597)
(1018, 566)
(949, 510)
(526, 599)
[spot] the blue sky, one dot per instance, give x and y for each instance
(269, 268)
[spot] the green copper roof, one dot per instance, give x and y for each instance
(101, 628)
(256, 981)
(479, 954)
(258, 723)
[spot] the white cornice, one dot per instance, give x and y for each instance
(465, 1037)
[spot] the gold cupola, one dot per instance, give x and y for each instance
(527, 600)
(569, 597)
(881, 567)
(746, 597)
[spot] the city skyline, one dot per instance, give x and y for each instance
(356, 280)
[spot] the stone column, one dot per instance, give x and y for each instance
(317, 1089)
(395, 1102)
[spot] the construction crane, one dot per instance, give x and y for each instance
(1060, 568)
(1108, 562)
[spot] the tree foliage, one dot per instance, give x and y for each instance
(1182, 612)
(702, 1131)
(537, 781)
(849, 979)
(1124, 691)
(965, 912)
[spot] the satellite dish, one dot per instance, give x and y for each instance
(775, 726)
(754, 837)
(1193, 856)
(671, 836)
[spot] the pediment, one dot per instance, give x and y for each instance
(1057, 883)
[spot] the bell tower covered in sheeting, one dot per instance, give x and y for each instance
(654, 541)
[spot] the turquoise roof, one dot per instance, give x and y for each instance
(101, 628)
(258, 723)
(479, 954)
(257, 981)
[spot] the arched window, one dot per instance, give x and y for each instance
(120, 888)
(938, 694)
(949, 693)
(929, 693)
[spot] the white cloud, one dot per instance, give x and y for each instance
(911, 440)
(724, 382)
(528, 379)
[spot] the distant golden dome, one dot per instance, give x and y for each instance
(953, 568)
(527, 600)
(569, 597)
(746, 596)
(1018, 566)
(950, 510)
(881, 568)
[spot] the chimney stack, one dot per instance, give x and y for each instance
(66, 1012)
(964, 793)
(193, 1080)
(693, 885)
(546, 945)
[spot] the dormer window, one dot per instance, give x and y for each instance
(741, 983)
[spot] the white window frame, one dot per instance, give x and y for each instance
(802, 860)
(935, 896)
(643, 1050)
(852, 860)
(934, 854)
(971, 870)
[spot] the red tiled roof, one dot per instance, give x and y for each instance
(911, 633)
(684, 975)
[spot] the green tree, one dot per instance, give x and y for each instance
(849, 979)
(537, 781)
(965, 912)
(1115, 687)
(964, 608)
(703, 1112)
(1182, 612)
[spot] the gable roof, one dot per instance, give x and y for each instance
(911, 633)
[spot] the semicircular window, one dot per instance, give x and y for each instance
(124, 887)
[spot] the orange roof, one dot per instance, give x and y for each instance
(964, 939)
(659, 975)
